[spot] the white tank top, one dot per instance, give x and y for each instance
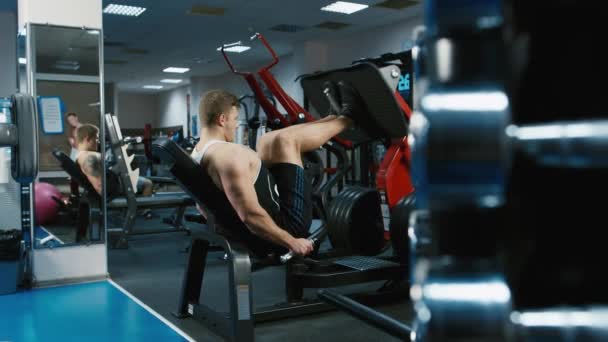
(198, 155)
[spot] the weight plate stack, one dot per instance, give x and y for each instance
(355, 221)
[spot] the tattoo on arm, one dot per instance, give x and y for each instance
(92, 165)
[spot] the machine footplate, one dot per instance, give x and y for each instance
(364, 263)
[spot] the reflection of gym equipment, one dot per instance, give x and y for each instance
(321, 271)
(129, 203)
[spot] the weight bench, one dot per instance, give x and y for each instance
(130, 202)
(322, 272)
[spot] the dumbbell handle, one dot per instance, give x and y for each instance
(564, 144)
(287, 256)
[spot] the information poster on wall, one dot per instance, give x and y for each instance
(51, 114)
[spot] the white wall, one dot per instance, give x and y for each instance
(307, 57)
(172, 105)
(74, 13)
(134, 110)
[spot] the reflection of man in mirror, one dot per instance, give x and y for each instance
(73, 124)
(89, 161)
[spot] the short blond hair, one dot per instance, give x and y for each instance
(214, 103)
(86, 131)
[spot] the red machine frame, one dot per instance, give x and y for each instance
(295, 112)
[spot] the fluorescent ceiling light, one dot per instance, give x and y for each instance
(344, 7)
(22, 60)
(132, 11)
(94, 32)
(236, 48)
(171, 80)
(176, 70)
(153, 87)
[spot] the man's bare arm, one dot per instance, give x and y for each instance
(241, 194)
(92, 167)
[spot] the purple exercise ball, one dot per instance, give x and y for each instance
(45, 207)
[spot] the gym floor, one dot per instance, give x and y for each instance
(152, 269)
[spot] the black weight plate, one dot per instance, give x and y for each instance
(24, 160)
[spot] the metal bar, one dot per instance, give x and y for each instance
(574, 144)
(241, 298)
(309, 307)
(193, 277)
(366, 314)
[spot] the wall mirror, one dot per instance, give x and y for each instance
(64, 71)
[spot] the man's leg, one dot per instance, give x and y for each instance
(287, 144)
(144, 186)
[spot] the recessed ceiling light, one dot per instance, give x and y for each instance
(132, 11)
(236, 48)
(153, 87)
(171, 80)
(22, 60)
(344, 7)
(176, 70)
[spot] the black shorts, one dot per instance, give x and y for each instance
(285, 192)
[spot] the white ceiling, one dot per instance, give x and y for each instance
(172, 37)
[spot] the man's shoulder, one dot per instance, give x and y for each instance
(231, 157)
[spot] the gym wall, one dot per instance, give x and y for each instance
(134, 110)
(173, 104)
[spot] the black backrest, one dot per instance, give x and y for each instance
(69, 166)
(197, 183)
(384, 114)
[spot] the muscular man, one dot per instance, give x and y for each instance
(267, 188)
(89, 161)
